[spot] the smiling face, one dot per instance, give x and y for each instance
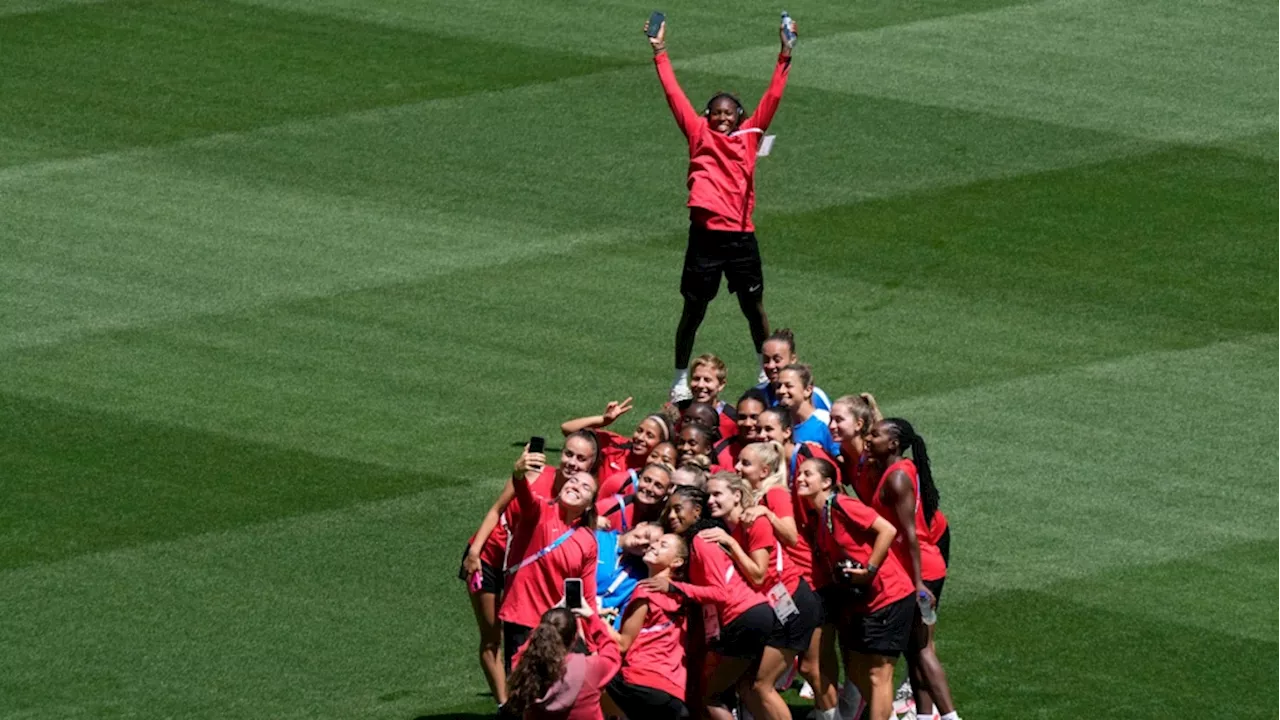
(844, 426)
(704, 384)
(721, 498)
(668, 551)
(576, 456)
(700, 413)
(749, 410)
(579, 491)
(750, 467)
(771, 428)
(663, 452)
(791, 390)
(722, 115)
(693, 440)
(880, 442)
(775, 355)
(646, 437)
(652, 486)
(810, 482)
(680, 515)
(640, 538)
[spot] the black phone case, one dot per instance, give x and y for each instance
(655, 23)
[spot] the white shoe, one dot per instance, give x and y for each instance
(681, 392)
(806, 692)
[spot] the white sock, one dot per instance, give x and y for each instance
(923, 713)
(830, 714)
(953, 715)
(682, 377)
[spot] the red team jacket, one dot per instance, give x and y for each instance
(722, 167)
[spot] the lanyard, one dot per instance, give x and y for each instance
(826, 514)
(657, 628)
(622, 510)
(542, 553)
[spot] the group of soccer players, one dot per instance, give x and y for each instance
(721, 549)
(698, 565)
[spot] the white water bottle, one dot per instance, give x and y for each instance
(928, 615)
(788, 30)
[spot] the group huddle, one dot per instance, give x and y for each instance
(695, 567)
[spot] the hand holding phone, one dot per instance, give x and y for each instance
(573, 593)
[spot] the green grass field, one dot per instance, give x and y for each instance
(286, 280)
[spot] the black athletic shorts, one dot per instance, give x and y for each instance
(712, 253)
(749, 633)
(797, 631)
(944, 546)
(638, 701)
(935, 587)
(883, 632)
(492, 579)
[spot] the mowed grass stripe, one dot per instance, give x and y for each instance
(167, 71)
(1117, 67)
(117, 481)
(611, 29)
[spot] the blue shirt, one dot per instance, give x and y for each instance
(821, 403)
(616, 573)
(815, 430)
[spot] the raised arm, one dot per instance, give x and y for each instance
(612, 412)
(602, 666)
(686, 117)
(769, 103)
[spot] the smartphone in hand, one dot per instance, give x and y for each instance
(655, 23)
(573, 593)
(537, 444)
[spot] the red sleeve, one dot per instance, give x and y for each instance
(526, 499)
(602, 666)
(589, 558)
(760, 535)
(854, 513)
(769, 103)
(686, 117)
(702, 593)
(779, 501)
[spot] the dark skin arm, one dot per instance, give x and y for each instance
(900, 494)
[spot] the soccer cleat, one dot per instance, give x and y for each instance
(806, 692)
(680, 392)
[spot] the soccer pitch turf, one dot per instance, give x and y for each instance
(286, 281)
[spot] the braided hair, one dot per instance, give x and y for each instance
(907, 438)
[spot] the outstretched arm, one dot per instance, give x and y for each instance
(612, 412)
(769, 103)
(686, 117)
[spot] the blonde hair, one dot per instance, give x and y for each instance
(770, 454)
(717, 365)
(864, 408)
(737, 484)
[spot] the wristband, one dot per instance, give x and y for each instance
(872, 569)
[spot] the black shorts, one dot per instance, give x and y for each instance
(935, 587)
(712, 253)
(492, 579)
(883, 632)
(638, 701)
(798, 630)
(944, 546)
(513, 636)
(749, 633)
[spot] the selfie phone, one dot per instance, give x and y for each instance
(655, 23)
(537, 444)
(573, 593)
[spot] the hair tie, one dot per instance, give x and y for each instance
(662, 423)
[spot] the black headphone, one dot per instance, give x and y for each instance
(706, 112)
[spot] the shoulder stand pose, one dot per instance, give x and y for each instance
(723, 143)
